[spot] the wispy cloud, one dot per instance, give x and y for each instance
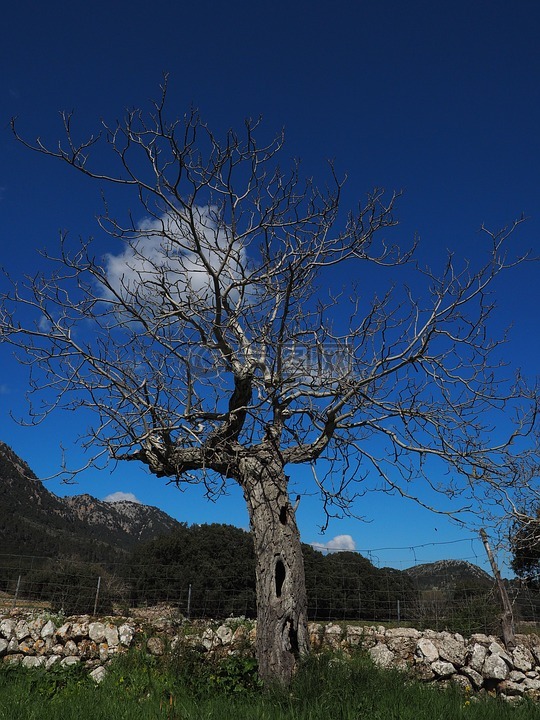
(120, 496)
(338, 544)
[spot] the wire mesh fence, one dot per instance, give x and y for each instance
(344, 593)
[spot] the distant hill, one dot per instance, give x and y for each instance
(446, 575)
(34, 521)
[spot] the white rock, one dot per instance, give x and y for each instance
(111, 635)
(7, 629)
(63, 631)
(522, 659)
(98, 674)
(155, 646)
(476, 679)
(402, 633)
(452, 650)
(531, 684)
(125, 634)
(381, 655)
(96, 632)
(3, 646)
(496, 649)
(70, 648)
(495, 668)
(51, 660)
(71, 660)
(478, 656)
(32, 661)
(48, 630)
(425, 648)
(35, 628)
(443, 669)
(224, 633)
(22, 630)
(79, 630)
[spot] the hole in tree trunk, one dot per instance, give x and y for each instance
(283, 515)
(280, 576)
(293, 639)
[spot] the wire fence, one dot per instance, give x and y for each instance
(437, 596)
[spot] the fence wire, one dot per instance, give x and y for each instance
(439, 600)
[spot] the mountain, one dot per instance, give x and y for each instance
(35, 522)
(446, 575)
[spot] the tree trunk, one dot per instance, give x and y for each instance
(282, 635)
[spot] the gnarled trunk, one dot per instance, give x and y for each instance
(282, 635)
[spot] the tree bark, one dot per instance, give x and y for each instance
(282, 634)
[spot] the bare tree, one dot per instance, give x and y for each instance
(227, 339)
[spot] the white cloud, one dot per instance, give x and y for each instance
(162, 255)
(121, 496)
(44, 324)
(337, 544)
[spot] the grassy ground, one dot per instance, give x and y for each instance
(327, 688)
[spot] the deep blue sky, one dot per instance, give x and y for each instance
(438, 99)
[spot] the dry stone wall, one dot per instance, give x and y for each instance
(479, 663)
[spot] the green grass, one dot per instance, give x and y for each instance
(187, 688)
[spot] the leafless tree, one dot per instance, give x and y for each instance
(231, 336)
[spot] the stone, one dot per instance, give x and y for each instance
(517, 675)
(451, 650)
(354, 635)
(496, 649)
(14, 659)
(63, 632)
(96, 632)
(34, 626)
(208, 639)
(332, 635)
(51, 660)
(476, 679)
(403, 633)
(155, 646)
(40, 646)
(381, 655)
(125, 635)
(7, 629)
(443, 669)
(224, 633)
(477, 657)
(70, 648)
(70, 660)
(98, 674)
(87, 649)
(239, 635)
(3, 646)
(22, 630)
(463, 682)
(111, 635)
(33, 661)
(48, 630)
(495, 668)
(531, 684)
(79, 630)
(426, 649)
(103, 652)
(26, 646)
(522, 658)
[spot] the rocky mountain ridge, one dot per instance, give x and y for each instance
(446, 574)
(35, 521)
